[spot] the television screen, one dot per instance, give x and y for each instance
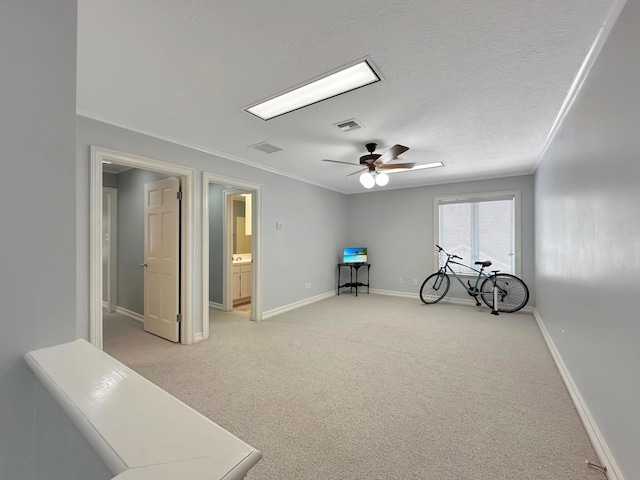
(354, 255)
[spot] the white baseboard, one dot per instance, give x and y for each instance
(217, 306)
(293, 306)
(603, 452)
(392, 293)
(198, 337)
(130, 314)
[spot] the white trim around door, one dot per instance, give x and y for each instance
(110, 242)
(256, 247)
(188, 271)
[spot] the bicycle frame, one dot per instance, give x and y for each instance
(471, 290)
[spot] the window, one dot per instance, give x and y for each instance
(480, 227)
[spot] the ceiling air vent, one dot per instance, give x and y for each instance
(347, 125)
(265, 147)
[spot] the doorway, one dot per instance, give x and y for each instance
(99, 156)
(217, 241)
(238, 230)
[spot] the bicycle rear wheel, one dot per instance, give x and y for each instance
(513, 294)
(434, 288)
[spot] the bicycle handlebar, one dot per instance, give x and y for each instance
(440, 249)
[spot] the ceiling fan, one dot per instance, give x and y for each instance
(374, 162)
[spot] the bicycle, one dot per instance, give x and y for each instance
(508, 292)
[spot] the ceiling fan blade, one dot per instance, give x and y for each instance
(361, 170)
(389, 166)
(337, 161)
(392, 153)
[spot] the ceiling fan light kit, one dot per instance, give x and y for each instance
(367, 180)
(373, 162)
(382, 179)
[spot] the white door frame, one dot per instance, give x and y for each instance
(256, 247)
(188, 271)
(111, 274)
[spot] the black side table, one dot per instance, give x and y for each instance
(351, 284)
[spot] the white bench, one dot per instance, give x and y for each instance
(140, 431)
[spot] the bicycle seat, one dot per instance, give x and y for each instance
(486, 263)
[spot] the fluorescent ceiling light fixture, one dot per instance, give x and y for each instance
(417, 167)
(337, 83)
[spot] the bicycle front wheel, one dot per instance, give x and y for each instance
(513, 294)
(434, 288)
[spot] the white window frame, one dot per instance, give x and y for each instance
(484, 196)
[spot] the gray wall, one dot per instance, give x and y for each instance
(216, 241)
(131, 237)
(588, 241)
(398, 228)
(62, 451)
(38, 215)
(109, 180)
(304, 250)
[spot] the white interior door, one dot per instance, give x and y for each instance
(162, 259)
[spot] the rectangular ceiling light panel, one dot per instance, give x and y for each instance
(345, 80)
(417, 167)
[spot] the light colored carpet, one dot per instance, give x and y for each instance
(376, 387)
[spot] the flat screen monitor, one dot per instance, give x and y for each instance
(354, 255)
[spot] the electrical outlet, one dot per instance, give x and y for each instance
(415, 281)
(279, 225)
(401, 280)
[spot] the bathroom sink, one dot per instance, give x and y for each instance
(241, 260)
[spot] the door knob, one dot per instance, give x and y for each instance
(144, 264)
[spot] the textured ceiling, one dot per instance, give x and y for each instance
(474, 84)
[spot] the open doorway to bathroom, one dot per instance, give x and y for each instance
(231, 247)
(239, 236)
